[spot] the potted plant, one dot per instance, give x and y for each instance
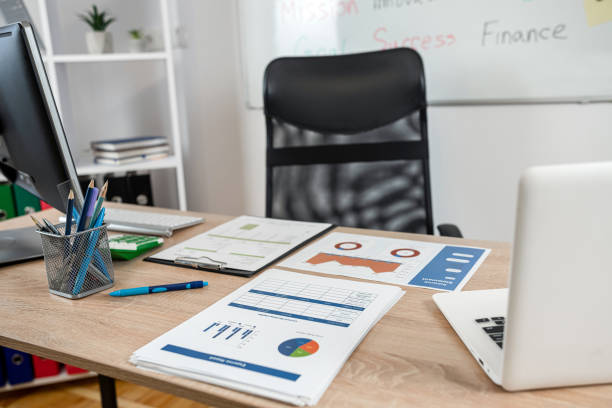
(137, 40)
(98, 40)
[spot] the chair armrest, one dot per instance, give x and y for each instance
(449, 230)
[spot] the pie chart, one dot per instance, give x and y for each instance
(300, 347)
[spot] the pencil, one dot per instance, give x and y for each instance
(38, 224)
(101, 199)
(69, 212)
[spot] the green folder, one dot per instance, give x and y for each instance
(7, 206)
(25, 203)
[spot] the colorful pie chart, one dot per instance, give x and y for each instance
(298, 347)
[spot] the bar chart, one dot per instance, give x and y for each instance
(230, 333)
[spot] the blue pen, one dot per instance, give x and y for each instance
(89, 252)
(88, 207)
(145, 290)
(98, 260)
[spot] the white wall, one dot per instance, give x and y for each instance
(477, 153)
(209, 75)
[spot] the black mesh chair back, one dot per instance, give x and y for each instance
(347, 140)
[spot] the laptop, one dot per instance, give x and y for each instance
(552, 326)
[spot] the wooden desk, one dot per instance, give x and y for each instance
(412, 357)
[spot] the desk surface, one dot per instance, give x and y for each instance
(411, 357)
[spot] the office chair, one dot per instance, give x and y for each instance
(347, 141)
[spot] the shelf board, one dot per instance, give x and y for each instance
(112, 57)
(90, 168)
(38, 382)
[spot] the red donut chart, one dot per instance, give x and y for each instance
(413, 253)
(351, 246)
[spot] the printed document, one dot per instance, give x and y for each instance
(283, 335)
(396, 261)
(245, 243)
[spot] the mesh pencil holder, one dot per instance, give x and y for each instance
(78, 264)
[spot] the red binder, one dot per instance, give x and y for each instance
(44, 367)
(74, 370)
(44, 206)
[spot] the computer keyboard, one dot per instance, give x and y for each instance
(494, 327)
(146, 222)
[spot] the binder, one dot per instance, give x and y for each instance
(117, 190)
(74, 370)
(2, 374)
(25, 202)
(18, 366)
(7, 205)
(132, 189)
(43, 367)
(139, 189)
(256, 238)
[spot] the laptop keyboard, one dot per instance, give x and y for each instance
(494, 328)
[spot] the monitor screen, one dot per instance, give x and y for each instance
(34, 153)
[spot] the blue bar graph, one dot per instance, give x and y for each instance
(211, 326)
(221, 330)
(234, 331)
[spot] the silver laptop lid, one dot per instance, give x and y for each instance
(558, 330)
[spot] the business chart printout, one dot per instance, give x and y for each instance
(397, 261)
(283, 335)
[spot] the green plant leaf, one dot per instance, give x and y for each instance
(98, 21)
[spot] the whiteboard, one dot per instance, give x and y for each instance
(474, 51)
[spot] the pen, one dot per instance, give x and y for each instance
(101, 198)
(145, 290)
(88, 207)
(38, 224)
(89, 253)
(51, 227)
(69, 212)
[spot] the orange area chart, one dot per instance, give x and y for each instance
(375, 265)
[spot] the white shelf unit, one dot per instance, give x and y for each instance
(115, 57)
(39, 382)
(60, 65)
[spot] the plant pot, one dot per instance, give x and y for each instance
(99, 42)
(137, 45)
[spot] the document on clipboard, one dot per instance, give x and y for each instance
(242, 246)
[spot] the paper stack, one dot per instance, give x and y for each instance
(283, 335)
(130, 150)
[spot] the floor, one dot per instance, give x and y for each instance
(86, 394)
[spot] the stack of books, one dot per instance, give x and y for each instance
(131, 150)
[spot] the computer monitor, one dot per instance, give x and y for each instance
(34, 152)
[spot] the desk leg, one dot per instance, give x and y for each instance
(107, 391)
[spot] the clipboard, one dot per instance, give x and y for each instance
(215, 263)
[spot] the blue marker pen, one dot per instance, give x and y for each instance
(145, 290)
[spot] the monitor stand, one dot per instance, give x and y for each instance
(19, 245)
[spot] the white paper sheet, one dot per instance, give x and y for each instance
(283, 335)
(245, 243)
(396, 261)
